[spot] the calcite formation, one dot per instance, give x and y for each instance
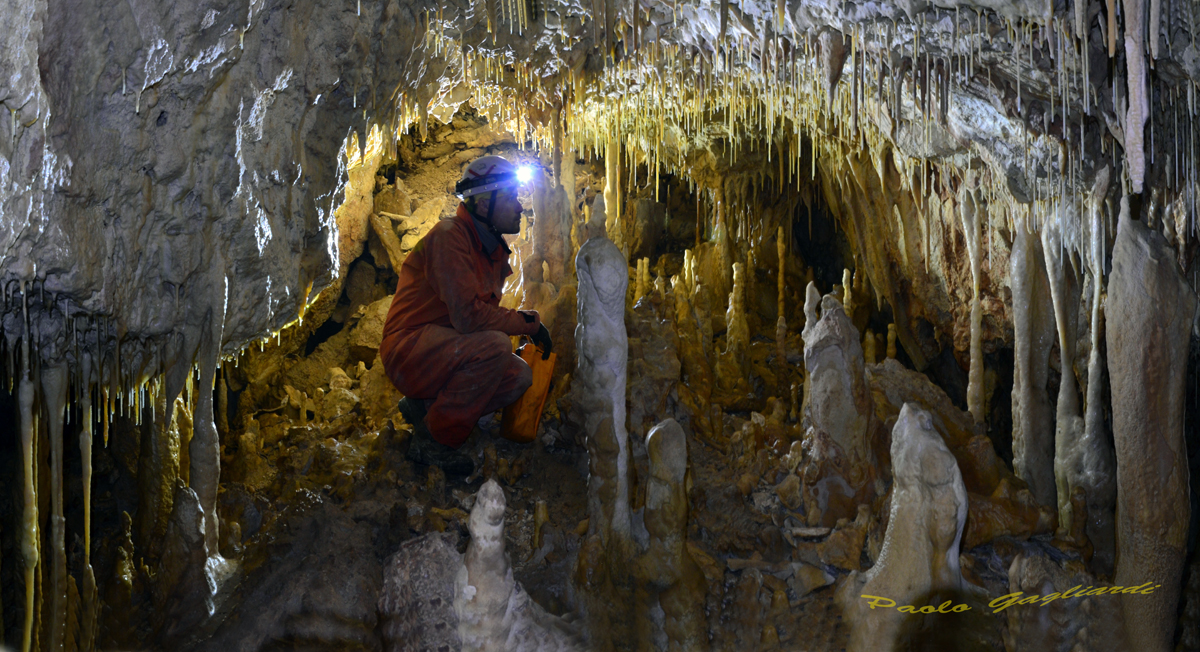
(1149, 314)
(919, 561)
(599, 390)
(670, 575)
(203, 207)
(836, 399)
(1033, 336)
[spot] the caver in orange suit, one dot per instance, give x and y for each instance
(446, 336)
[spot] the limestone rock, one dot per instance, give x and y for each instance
(920, 550)
(338, 403)
(290, 600)
(844, 546)
(366, 335)
(1060, 625)
(1150, 310)
(423, 218)
(360, 286)
(393, 200)
(807, 578)
(789, 492)
(339, 380)
(837, 400)
(1033, 336)
(416, 605)
(379, 396)
(494, 612)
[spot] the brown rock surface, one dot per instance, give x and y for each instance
(1150, 311)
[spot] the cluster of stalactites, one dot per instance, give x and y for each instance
(810, 98)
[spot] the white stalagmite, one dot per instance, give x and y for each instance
(1150, 311)
(971, 227)
(919, 559)
(602, 343)
(1033, 335)
(54, 393)
(1098, 468)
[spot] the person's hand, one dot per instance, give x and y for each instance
(542, 339)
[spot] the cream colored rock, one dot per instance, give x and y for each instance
(494, 612)
(1150, 310)
(1033, 337)
(666, 569)
(920, 550)
(366, 335)
(423, 218)
(837, 400)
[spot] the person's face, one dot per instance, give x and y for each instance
(506, 217)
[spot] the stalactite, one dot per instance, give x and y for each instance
(971, 227)
(89, 598)
(1098, 466)
(1139, 101)
(29, 529)
(1033, 441)
(1064, 293)
(54, 392)
(781, 288)
(205, 450)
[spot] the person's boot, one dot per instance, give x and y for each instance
(424, 450)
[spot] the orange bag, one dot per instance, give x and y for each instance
(520, 420)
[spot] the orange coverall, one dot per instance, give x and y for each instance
(446, 336)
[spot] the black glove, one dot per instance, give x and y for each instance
(542, 339)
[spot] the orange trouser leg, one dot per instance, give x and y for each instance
(467, 376)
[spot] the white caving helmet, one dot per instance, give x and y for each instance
(489, 174)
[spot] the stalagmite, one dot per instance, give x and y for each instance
(1033, 335)
(599, 387)
(1097, 470)
(837, 400)
(737, 333)
(891, 341)
(667, 567)
(1149, 314)
(847, 292)
(919, 562)
(54, 392)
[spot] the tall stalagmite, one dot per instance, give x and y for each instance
(1149, 315)
(598, 386)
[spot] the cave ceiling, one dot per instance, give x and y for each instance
(168, 170)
